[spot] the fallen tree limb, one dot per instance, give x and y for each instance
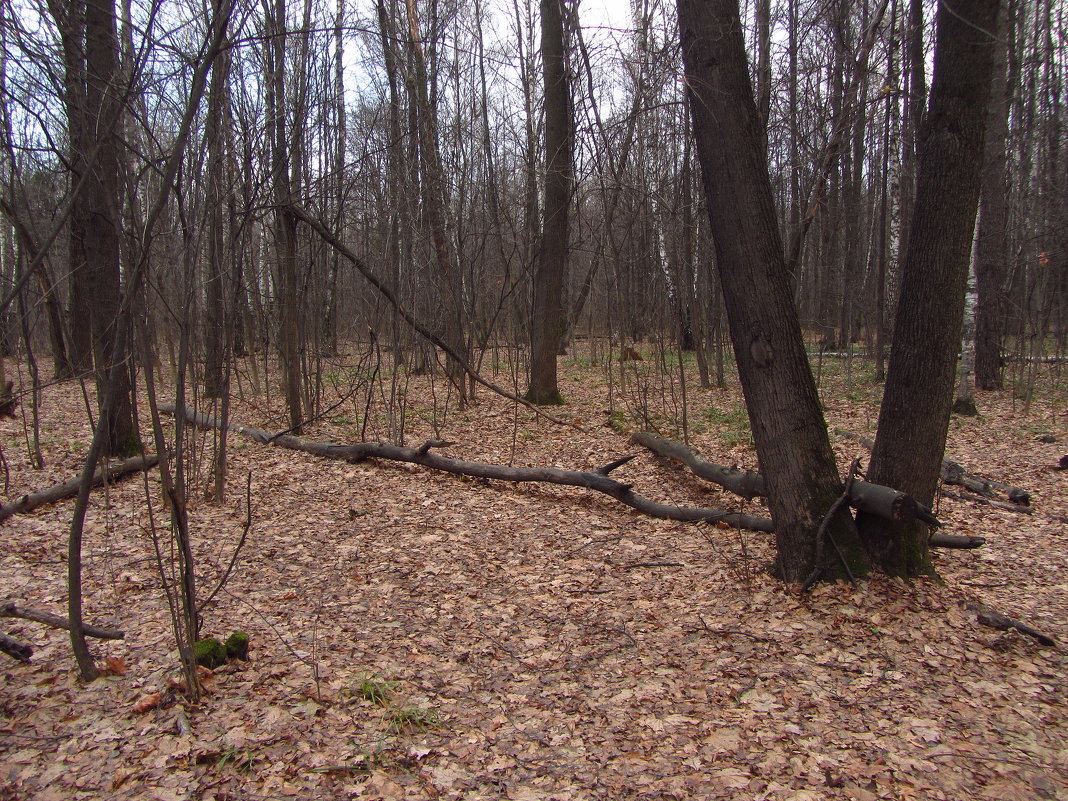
(15, 649)
(967, 496)
(746, 483)
(989, 616)
(9, 609)
(876, 499)
(940, 540)
(954, 473)
(596, 480)
(68, 489)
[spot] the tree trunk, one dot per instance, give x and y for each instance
(914, 416)
(547, 323)
(992, 251)
(285, 222)
(788, 427)
(434, 199)
(102, 234)
(218, 326)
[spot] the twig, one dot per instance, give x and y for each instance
(237, 550)
(633, 565)
(825, 530)
(710, 630)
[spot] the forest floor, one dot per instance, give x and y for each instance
(417, 635)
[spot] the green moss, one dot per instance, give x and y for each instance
(237, 646)
(210, 653)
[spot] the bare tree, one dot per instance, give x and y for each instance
(788, 427)
(547, 320)
(914, 416)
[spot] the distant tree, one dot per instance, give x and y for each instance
(547, 320)
(991, 247)
(285, 223)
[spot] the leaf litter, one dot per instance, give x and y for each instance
(535, 642)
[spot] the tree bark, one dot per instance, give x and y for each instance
(788, 426)
(547, 319)
(103, 109)
(991, 247)
(914, 416)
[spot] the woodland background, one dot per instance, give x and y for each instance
(277, 212)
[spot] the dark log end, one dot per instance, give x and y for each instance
(608, 468)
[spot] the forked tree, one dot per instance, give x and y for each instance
(788, 426)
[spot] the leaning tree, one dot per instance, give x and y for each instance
(788, 426)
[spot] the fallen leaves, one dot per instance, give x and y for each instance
(517, 621)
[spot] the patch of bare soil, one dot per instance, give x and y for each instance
(416, 635)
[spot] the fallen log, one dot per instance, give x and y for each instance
(954, 473)
(746, 483)
(596, 480)
(991, 617)
(9, 609)
(875, 499)
(940, 540)
(15, 649)
(68, 489)
(1008, 507)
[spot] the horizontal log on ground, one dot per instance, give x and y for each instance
(746, 483)
(954, 473)
(1008, 507)
(991, 617)
(596, 480)
(14, 648)
(68, 489)
(940, 540)
(9, 609)
(884, 502)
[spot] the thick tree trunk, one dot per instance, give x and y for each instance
(784, 409)
(914, 416)
(547, 321)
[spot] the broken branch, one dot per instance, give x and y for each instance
(68, 489)
(9, 609)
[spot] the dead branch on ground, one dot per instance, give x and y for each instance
(596, 480)
(9, 609)
(875, 499)
(954, 473)
(68, 489)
